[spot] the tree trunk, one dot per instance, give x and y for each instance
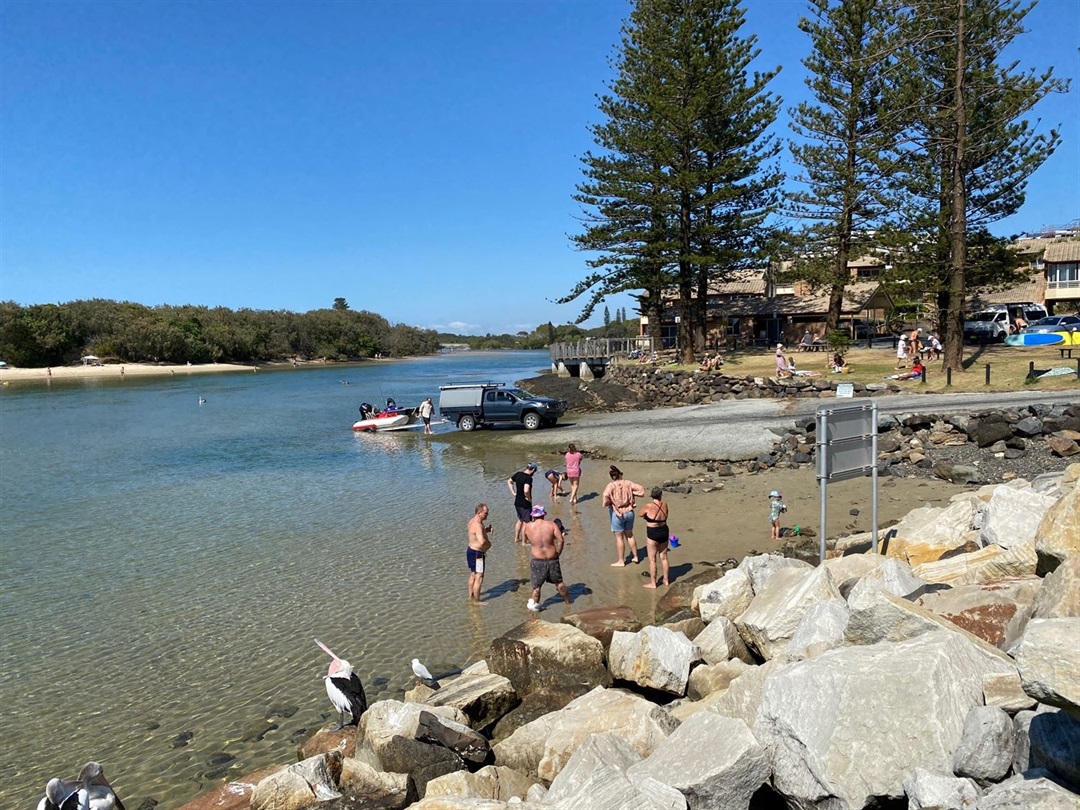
(954, 316)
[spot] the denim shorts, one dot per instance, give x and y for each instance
(621, 524)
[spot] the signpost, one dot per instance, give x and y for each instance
(847, 448)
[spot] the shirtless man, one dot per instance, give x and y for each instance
(476, 555)
(545, 544)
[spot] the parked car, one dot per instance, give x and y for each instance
(1054, 323)
(995, 323)
(473, 405)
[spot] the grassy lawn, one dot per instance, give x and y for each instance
(1008, 368)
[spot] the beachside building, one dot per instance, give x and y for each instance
(1061, 262)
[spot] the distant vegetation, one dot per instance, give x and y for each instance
(58, 334)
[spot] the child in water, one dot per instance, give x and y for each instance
(776, 508)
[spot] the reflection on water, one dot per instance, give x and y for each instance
(166, 566)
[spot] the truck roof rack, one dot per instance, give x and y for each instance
(491, 383)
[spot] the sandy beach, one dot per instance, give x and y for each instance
(116, 370)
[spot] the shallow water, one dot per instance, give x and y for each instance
(166, 565)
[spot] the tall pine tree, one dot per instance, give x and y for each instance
(972, 149)
(685, 181)
(847, 140)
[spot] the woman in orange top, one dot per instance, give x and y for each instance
(619, 498)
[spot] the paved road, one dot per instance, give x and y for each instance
(737, 429)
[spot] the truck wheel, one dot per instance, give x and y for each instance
(467, 422)
(531, 421)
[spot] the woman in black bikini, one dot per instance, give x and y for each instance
(655, 514)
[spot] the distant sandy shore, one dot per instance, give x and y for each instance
(115, 370)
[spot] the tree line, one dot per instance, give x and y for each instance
(56, 334)
(915, 137)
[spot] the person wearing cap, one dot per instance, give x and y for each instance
(545, 545)
(776, 508)
(520, 484)
(901, 350)
(619, 498)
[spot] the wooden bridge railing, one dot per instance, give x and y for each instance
(600, 348)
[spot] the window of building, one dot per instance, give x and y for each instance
(1066, 274)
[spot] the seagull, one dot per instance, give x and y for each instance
(344, 689)
(202, 401)
(422, 674)
(91, 791)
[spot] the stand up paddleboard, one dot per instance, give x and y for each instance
(1044, 339)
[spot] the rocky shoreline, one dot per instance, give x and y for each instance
(943, 672)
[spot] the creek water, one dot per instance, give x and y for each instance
(166, 565)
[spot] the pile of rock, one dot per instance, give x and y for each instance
(915, 439)
(663, 387)
(944, 674)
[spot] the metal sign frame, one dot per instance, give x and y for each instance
(847, 448)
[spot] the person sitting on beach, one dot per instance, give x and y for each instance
(706, 363)
(838, 363)
(916, 372)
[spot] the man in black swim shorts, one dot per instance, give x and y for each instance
(476, 554)
(545, 544)
(520, 485)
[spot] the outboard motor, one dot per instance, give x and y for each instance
(366, 410)
(390, 404)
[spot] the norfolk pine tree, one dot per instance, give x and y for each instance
(682, 187)
(971, 151)
(848, 135)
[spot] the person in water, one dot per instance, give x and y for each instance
(555, 478)
(545, 545)
(573, 470)
(476, 554)
(619, 498)
(655, 515)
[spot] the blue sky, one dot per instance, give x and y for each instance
(417, 158)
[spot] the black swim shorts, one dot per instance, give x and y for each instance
(475, 559)
(524, 513)
(542, 571)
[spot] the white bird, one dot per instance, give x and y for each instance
(202, 401)
(344, 689)
(422, 673)
(91, 791)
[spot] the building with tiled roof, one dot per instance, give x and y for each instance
(1061, 262)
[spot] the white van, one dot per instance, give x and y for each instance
(996, 323)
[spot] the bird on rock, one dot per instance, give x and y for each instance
(344, 689)
(422, 674)
(90, 791)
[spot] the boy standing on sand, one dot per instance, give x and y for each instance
(776, 508)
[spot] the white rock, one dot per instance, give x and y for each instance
(708, 679)
(1028, 792)
(821, 628)
(761, 567)
(985, 565)
(853, 566)
(720, 641)
(490, 782)
(1059, 596)
(653, 657)
(938, 791)
(728, 596)
(1006, 692)
(1048, 656)
(892, 576)
(936, 525)
(742, 698)
(1012, 516)
(772, 618)
(543, 747)
(1058, 535)
(816, 714)
(713, 761)
(986, 747)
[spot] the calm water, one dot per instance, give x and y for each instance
(166, 565)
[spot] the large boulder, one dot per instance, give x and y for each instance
(600, 622)
(985, 565)
(996, 612)
(892, 575)
(742, 698)
(1059, 596)
(714, 761)
(720, 641)
(1006, 692)
(541, 748)
(1049, 739)
(300, 785)
(422, 741)
(654, 657)
(1012, 516)
(773, 616)
(709, 679)
(542, 655)
(728, 596)
(483, 699)
(1028, 791)
(932, 525)
(490, 782)
(821, 628)
(761, 567)
(986, 748)
(1058, 535)
(536, 705)
(234, 795)
(938, 791)
(1048, 656)
(680, 596)
(814, 714)
(597, 777)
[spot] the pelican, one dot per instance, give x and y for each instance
(91, 791)
(422, 673)
(343, 688)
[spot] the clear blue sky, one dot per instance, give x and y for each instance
(416, 158)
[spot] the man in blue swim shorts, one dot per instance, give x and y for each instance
(476, 554)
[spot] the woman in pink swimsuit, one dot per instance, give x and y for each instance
(573, 471)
